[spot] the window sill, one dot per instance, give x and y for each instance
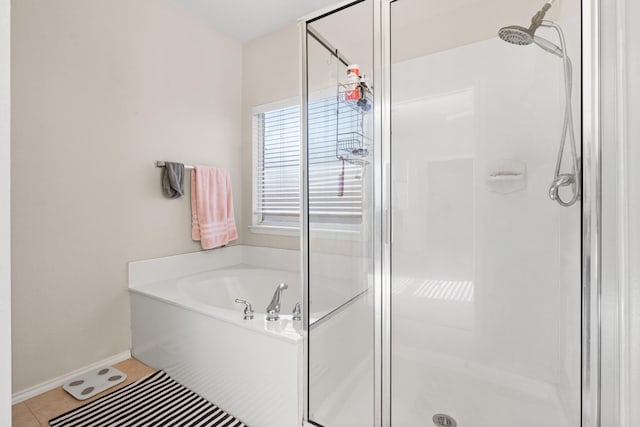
(275, 229)
(321, 233)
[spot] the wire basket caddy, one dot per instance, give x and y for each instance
(352, 145)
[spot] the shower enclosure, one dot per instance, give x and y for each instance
(450, 221)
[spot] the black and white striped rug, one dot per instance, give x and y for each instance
(156, 400)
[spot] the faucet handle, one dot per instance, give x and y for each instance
(248, 310)
(297, 312)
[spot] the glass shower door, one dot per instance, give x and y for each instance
(339, 242)
(485, 267)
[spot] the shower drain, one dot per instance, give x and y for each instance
(444, 420)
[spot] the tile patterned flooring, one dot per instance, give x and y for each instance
(37, 411)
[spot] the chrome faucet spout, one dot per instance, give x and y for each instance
(273, 309)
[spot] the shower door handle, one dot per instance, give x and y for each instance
(386, 205)
(388, 236)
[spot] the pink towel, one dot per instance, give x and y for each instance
(212, 220)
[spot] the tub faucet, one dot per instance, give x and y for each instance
(273, 310)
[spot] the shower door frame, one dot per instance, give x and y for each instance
(591, 215)
(591, 282)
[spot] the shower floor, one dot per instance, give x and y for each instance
(421, 390)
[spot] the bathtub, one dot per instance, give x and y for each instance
(189, 325)
(185, 321)
(213, 293)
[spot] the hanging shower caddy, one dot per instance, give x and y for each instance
(352, 145)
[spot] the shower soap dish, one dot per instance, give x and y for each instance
(94, 382)
(507, 176)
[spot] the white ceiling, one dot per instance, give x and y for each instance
(246, 20)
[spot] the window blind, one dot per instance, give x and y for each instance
(335, 185)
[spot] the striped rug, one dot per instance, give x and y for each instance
(156, 400)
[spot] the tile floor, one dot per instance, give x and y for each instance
(37, 411)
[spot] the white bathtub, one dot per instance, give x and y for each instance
(213, 293)
(190, 326)
(185, 321)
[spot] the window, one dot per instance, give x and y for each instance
(335, 184)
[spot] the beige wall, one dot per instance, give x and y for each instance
(270, 72)
(5, 211)
(101, 90)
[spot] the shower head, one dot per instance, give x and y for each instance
(516, 34)
(522, 36)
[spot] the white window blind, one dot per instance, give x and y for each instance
(335, 185)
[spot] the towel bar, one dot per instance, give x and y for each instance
(160, 164)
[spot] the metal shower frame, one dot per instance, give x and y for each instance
(591, 283)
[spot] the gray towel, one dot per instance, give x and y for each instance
(173, 180)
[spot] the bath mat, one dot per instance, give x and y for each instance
(94, 382)
(156, 400)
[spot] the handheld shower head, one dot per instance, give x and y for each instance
(548, 46)
(522, 36)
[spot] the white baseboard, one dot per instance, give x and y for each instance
(37, 389)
